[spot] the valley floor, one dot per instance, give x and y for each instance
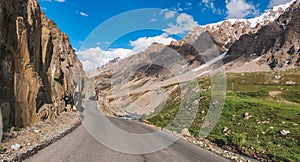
(260, 117)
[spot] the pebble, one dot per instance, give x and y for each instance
(225, 129)
(13, 134)
(246, 116)
(37, 131)
(12, 129)
(185, 132)
(285, 132)
(16, 147)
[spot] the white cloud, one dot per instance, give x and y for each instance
(184, 22)
(239, 9)
(206, 2)
(173, 11)
(214, 9)
(187, 6)
(103, 43)
(277, 2)
(178, 8)
(141, 44)
(169, 14)
(209, 4)
(163, 11)
(152, 20)
(54, 1)
(188, 3)
(93, 57)
(83, 14)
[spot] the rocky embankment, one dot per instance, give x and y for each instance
(19, 144)
(40, 76)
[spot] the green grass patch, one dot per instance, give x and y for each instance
(292, 96)
(249, 92)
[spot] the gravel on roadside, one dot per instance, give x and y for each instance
(20, 143)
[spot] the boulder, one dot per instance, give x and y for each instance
(225, 130)
(285, 132)
(185, 132)
(13, 134)
(119, 114)
(290, 83)
(246, 116)
(16, 147)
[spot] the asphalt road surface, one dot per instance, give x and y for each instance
(82, 145)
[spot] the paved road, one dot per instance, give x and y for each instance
(81, 145)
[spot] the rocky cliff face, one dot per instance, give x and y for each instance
(225, 33)
(278, 42)
(39, 72)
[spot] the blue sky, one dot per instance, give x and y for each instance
(109, 28)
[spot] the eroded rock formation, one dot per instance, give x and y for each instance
(39, 72)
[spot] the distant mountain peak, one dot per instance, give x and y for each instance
(229, 31)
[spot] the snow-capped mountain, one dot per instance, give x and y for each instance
(229, 36)
(228, 31)
(277, 44)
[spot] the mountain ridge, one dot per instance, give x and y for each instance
(223, 34)
(277, 43)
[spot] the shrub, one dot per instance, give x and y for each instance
(292, 96)
(52, 22)
(261, 93)
(53, 37)
(2, 149)
(236, 139)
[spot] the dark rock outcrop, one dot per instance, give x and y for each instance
(226, 32)
(278, 42)
(39, 72)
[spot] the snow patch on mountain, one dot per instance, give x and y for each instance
(228, 31)
(268, 16)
